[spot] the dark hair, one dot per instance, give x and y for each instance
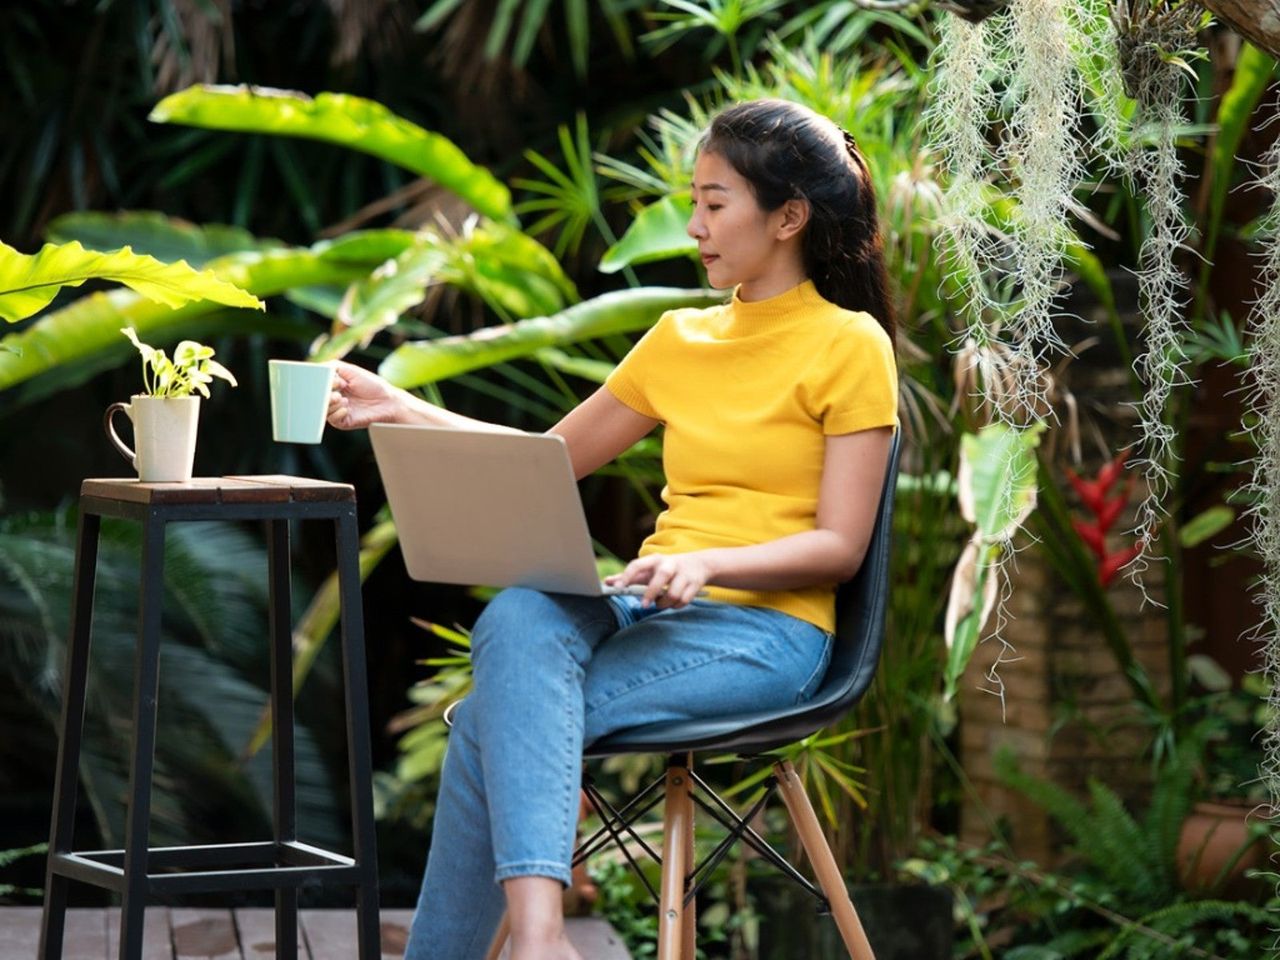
(788, 152)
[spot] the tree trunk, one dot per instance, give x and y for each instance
(1256, 20)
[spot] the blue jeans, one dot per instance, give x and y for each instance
(554, 673)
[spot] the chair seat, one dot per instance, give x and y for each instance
(748, 733)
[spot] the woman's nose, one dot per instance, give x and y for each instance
(695, 228)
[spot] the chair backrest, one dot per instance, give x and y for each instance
(860, 613)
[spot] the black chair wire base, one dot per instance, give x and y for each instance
(619, 825)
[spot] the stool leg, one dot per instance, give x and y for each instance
(358, 747)
(146, 682)
(67, 778)
(676, 842)
(824, 864)
(284, 816)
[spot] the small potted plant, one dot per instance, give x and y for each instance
(166, 416)
(1222, 837)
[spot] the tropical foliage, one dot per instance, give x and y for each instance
(463, 212)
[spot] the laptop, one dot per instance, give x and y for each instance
(488, 508)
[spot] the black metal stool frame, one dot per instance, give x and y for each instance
(283, 863)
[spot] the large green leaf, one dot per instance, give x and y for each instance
(508, 269)
(1254, 70)
(517, 276)
(657, 233)
(91, 325)
(352, 122)
(28, 283)
(165, 238)
(377, 301)
(997, 478)
(622, 311)
(997, 490)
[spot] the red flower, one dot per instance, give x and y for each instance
(1093, 531)
(1113, 563)
(1091, 536)
(1093, 493)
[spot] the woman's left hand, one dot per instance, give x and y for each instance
(673, 579)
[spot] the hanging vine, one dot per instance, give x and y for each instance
(1042, 153)
(1263, 425)
(962, 99)
(1005, 260)
(1152, 43)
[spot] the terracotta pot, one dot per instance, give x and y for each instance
(1216, 837)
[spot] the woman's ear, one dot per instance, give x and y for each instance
(795, 214)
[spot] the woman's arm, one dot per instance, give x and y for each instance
(596, 431)
(852, 477)
(361, 397)
(599, 429)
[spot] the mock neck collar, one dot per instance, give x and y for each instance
(758, 316)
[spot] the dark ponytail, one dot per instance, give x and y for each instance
(788, 152)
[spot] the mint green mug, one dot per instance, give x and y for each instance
(299, 399)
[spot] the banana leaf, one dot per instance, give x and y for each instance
(515, 274)
(91, 325)
(509, 270)
(585, 368)
(657, 233)
(29, 283)
(377, 301)
(997, 491)
(621, 311)
(348, 121)
(147, 232)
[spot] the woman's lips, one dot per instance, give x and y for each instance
(708, 257)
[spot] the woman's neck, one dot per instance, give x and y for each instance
(785, 276)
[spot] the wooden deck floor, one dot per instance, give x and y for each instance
(243, 934)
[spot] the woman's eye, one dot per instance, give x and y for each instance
(714, 206)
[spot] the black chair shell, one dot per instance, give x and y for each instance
(860, 613)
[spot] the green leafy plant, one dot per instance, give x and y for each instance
(190, 371)
(997, 492)
(1016, 910)
(1131, 861)
(29, 283)
(353, 122)
(532, 22)
(9, 856)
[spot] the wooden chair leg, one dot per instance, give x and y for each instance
(677, 833)
(689, 925)
(824, 864)
(499, 939)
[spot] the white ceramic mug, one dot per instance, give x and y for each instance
(299, 399)
(164, 431)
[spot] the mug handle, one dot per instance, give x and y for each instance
(111, 432)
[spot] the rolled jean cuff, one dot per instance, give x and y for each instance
(533, 868)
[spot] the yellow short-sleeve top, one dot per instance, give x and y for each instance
(747, 393)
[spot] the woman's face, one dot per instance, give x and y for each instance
(739, 242)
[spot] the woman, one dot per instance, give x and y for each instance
(778, 409)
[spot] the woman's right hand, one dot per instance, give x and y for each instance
(361, 397)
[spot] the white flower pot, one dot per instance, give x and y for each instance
(164, 431)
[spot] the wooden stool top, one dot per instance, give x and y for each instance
(275, 488)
